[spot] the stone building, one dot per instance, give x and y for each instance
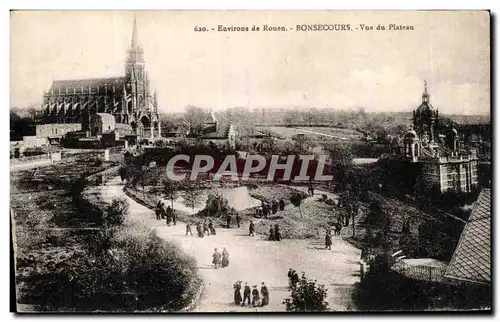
(127, 98)
(429, 161)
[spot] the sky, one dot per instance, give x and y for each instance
(376, 70)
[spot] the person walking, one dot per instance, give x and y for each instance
(290, 275)
(169, 215)
(265, 294)
(237, 292)
(216, 258)
(199, 230)
(211, 227)
(277, 235)
(158, 210)
(205, 228)
(174, 217)
(282, 204)
(228, 221)
(225, 258)
(246, 294)
(328, 240)
(251, 228)
(238, 219)
(188, 229)
(271, 233)
(295, 279)
(255, 296)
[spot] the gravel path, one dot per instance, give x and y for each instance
(254, 259)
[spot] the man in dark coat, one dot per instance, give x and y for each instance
(282, 204)
(271, 233)
(246, 294)
(228, 221)
(158, 210)
(274, 206)
(251, 229)
(277, 235)
(211, 227)
(328, 240)
(238, 219)
(295, 279)
(169, 213)
(188, 229)
(255, 296)
(265, 294)
(290, 275)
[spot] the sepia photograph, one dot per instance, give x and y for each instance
(244, 161)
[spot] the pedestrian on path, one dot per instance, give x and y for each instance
(277, 234)
(211, 227)
(205, 228)
(282, 204)
(271, 233)
(238, 219)
(295, 279)
(237, 292)
(255, 296)
(290, 275)
(158, 210)
(216, 258)
(328, 240)
(199, 230)
(228, 221)
(265, 294)
(174, 216)
(246, 294)
(251, 229)
(225, 257)
(188, 229)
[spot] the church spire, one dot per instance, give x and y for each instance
(133, 43)
(425, 94)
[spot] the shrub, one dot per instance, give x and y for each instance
(308, 296)
(116, 212)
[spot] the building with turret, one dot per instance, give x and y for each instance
(432, 160)
(127, 99)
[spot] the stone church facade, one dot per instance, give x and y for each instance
(127, 98)
(432, 160)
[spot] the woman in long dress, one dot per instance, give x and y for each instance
(237, 293)
(328, 240)
(225, 258)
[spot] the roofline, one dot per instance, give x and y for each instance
(463, 279)
(87, 79)
(462, 235)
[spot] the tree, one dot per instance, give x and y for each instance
(192, 195)
(308, 296)
(296, 200)
(341, 158)
(169, 191)
(116, 212)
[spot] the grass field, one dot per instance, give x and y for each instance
(312, 133)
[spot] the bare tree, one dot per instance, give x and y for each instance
(192, 195)
(168, 189)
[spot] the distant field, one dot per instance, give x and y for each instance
(313, 133)
(335, 131)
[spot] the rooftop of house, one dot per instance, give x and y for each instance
(471, 261)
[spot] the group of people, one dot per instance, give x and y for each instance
(272, 207)
(257, 300)
(165, 213)
(201, 229)
(220, 260)
(293, 279)
(274, 233)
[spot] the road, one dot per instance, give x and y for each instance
(254, 260)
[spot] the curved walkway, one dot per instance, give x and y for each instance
(254, 259)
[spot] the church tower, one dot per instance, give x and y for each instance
(425, 119)
(135, 72)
